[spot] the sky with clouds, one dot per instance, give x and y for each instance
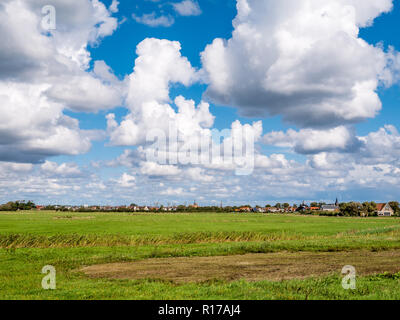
(148, 101)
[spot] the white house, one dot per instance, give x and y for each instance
(384, 210)
(331, 207)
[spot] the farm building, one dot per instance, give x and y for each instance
(302, 207)
(245, 209)
(384, 210)
(331, 207)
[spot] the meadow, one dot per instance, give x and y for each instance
(197, 256)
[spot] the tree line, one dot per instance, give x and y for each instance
(349, 209)
(17, 205)
(357, 209)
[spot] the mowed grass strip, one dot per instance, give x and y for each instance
(20, 278)
(250, 267)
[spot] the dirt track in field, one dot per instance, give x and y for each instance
(251, 267)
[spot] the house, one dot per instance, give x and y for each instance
(384, 210)
(194, 205)
(331, 207)
(302, 207)
(275, 210)
(245, 209)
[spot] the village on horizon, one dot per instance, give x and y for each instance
(365, 209)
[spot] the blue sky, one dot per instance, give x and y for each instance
(385, 29)
(314, 85)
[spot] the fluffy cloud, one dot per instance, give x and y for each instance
(199, 174)
(181, 139)
(153, 20)
(309, 141)
(87, 92)
(64, 169)
(156, 170)
(159, 19)
(382, 146)
(375, 164)
(371, 170)
(30, 50)
(114, 6)
(7, 167)
(303, 60)
(44, 72)
(23, 51)
(155, 119)
(126, 181)
(187, 8)
(172, 192)
(47, 181)
(32, 127)
(158, 66)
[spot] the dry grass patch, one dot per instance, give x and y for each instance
(251, 267)
(73, 217)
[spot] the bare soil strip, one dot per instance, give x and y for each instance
(250, 267)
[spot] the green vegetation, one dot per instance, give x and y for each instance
(30, 240)
(17, 205)
(396, 207)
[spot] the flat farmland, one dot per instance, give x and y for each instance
(197, 256)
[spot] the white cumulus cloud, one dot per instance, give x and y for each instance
(187, 8)
(301, 59)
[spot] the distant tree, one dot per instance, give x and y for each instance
(351, 209)
(286, 205)
(268, 206)
(368, 209)
(278, 205)
(9, 206)
(314, 204)
(29, 205)
(396, 207)
(17, 205)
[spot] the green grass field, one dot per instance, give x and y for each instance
(70, 241)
